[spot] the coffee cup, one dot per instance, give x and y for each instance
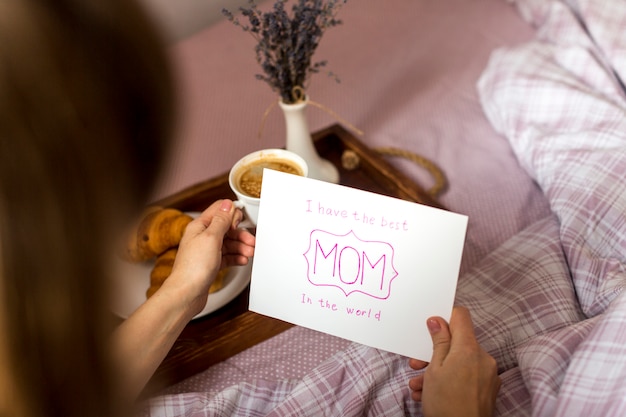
(246, 176)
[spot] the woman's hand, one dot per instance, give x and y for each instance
(461, 379)
(211, 241)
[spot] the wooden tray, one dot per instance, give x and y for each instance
(232, 329)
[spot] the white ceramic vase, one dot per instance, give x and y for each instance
(299, 141)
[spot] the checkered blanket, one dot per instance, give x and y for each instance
(560, 101)
(548, 303)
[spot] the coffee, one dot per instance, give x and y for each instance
(248, 178)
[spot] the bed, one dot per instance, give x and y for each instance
(521, 103)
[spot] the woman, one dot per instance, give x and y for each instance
(86, 113)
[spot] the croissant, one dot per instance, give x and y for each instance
(158, 235)
(159, 231)
(218, 284)
(131, 252)
(163, 269)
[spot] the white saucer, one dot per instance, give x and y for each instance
(133, 280)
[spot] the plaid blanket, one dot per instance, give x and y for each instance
(560, 101)
(548, 303)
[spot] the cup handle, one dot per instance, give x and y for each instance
(246, 223)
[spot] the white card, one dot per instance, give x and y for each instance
(354, 264)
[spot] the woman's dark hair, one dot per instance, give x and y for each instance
(86, 113)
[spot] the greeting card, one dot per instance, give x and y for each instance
(354, 264)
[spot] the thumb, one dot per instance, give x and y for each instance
(221, 217)
(215, 220)
(440, 334)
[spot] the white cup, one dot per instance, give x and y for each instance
(248, 203)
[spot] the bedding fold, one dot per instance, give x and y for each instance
(559, 100)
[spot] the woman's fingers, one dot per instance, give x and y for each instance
(417, 364)
(416, 384)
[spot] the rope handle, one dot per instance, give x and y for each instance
(440, 179)
(350, 160)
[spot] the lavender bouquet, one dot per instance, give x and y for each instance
(286, 44)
